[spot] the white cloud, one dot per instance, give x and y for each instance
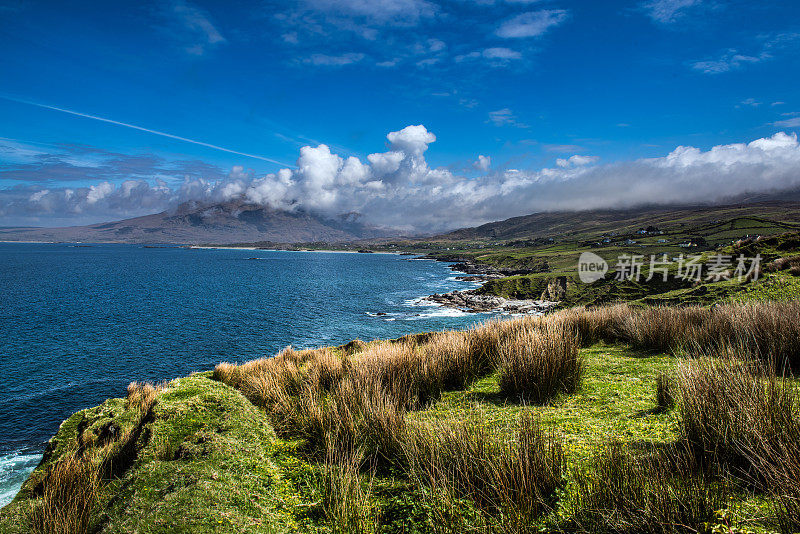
(376, 11)
(563, 148)
(501, 53)
(771, 45)
(335, 61)
(668, 11)
(505, 117)
(99, 192)
(793, 122)
(750, 102)
(411, 139)
(193, 26)
(576, 161)
(483, 163)
(398, 189)
(729, 61)
(532, 23)
(495, 56)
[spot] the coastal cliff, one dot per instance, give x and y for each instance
(202, 458)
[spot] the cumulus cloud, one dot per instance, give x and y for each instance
(397, 188)
(483, 163)
(576, 161)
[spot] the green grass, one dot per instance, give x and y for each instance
(210, 463)
(774, 287)
(615, 401)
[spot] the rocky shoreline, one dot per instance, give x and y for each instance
(471, 301)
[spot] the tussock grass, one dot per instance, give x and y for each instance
(348, 405)
(346, 499)
(769, 331)
(665, 395)
(663, 491)
(70, 486)
(142, 396)
(733, 410)
(513, 479)
(69, 492)
(735, 416)
(743, 416)
(537, 365)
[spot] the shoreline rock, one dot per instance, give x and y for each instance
(472, 302)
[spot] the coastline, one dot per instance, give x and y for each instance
(326, 251)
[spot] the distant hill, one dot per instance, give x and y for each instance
(190, 223)
(590, 224)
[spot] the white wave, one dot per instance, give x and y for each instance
(14, 469)
(439, 311)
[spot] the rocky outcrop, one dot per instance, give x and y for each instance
(556, 289)
(473, 302)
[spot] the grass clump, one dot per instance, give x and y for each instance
(743, 416)
(346, 501)
(528, 424)
(658, 492)
(68, 496)
(537, 365)
(513, 480)
(347, 406)
(733, 410)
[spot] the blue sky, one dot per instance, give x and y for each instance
(523, 83)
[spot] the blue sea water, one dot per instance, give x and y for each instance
(78, 323)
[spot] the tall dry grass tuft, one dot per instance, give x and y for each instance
(660, 492)
(353, 402)
(595, 324)
(69, 493)
(345, 499)
(664, 329)
(735, 410)
(540, 363)
(665, 394)
(515, 480)
(779, 464)
(142, 396)
(743, 415)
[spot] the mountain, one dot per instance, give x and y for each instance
(223, 223)
(590, 224)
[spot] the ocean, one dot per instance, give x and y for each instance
(79, 322)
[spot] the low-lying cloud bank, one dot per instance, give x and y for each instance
(398, 189)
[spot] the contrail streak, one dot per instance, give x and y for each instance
(148, 130)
